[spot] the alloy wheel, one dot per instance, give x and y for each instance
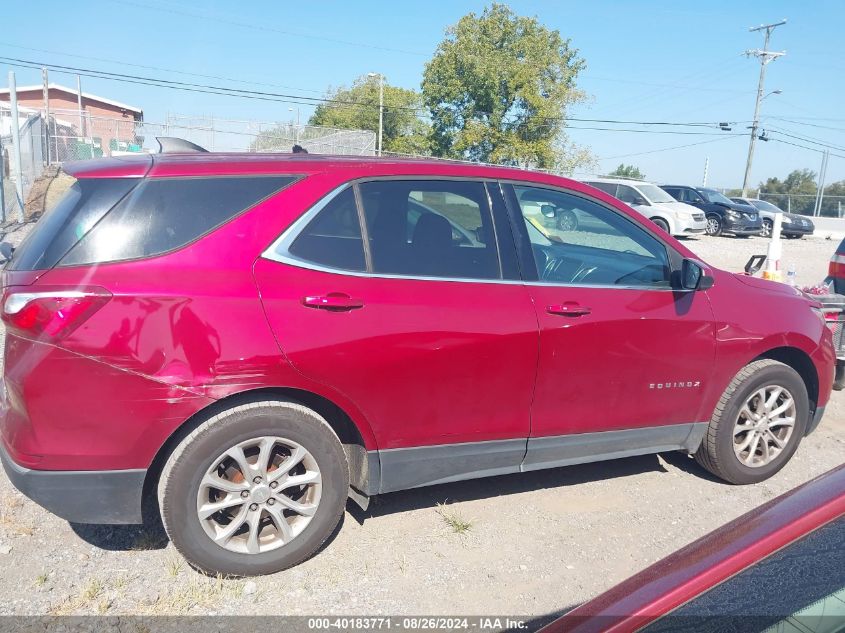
(259, 495)
(764, 426)
(713, 226)
(767, 228)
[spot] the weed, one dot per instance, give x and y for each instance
(452, 518)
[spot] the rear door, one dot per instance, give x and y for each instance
(395, 294)
(623, 357)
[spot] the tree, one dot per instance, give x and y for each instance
(498, 88)
(797, 191)
(628, 171)
(358, 108)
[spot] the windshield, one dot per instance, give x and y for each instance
(766, 206)
(655, 193)
(714, 196)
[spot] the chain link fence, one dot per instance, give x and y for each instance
(805, 203)
(32, 159)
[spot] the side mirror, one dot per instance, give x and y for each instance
(694, 276)
(642, 202)
(548, 210)
(6, 251)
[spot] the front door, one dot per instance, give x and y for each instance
(624, 357)
(419, 329)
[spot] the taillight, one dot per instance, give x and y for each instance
(50, 313)
(836, 268)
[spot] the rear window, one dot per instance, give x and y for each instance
(163, 214)
(84, 204)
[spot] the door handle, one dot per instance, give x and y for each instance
(568, 309)
(333, 301)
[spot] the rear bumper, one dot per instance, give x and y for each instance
(796, 230)
(97, 496)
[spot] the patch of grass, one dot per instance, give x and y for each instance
(203, 594)
(80, 602)
(174, 566)
(41, 579)
(453, 519)
(9, 506)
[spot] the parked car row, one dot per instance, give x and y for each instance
(683, 210)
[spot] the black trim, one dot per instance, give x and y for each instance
(81, 496)
(404, 468)
(505, 241)
(815, 420)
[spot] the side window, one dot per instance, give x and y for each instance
(691, 196)
(607, 187)
(627, 194)
(430, 228)
(163, 214)
(585, 243)
(675, 193)
(333, 237)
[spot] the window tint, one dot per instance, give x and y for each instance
(333, 237)
(586, 243)
(799, 588)
(162, 214)
(84, 204)
(430, 229)
(627, 194)
(675, 192)
(607, 187)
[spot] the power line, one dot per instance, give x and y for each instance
(674, 147)
(807, 139)
(812, 149)
(312, 101)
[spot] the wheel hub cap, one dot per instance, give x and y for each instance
(259, 495)
(764, 426)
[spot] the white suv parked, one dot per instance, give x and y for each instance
(676, 218)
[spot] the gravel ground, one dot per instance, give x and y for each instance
(530, 544)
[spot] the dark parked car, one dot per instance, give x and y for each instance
(723, 215)
(258, 337)
(778, 568)
(792, 224)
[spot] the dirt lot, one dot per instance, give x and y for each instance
(529, 544)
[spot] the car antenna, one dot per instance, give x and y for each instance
(174, 145)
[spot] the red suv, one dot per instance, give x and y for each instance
(254, 338)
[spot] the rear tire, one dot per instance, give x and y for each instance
(740, 408)
(289, 444)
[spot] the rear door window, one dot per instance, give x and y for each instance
(163, 214)
(83, 205)
(430, 228)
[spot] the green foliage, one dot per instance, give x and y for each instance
(498, 88)
(799, 181)
(404, 132)
(628, 171)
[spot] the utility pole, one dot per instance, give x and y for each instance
(706, 167)
(380, 107)
(16, 144)
(79, 105)
(822, 176)
(765, 56)
(45, 90)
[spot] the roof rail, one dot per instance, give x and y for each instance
(173, 145)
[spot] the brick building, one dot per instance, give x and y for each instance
(104, 119)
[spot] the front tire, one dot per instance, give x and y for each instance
(757, 425)
(714, 225)
(255, 489)
(767, 228)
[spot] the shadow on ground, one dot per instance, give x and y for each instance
(151, 535)
(502, 485)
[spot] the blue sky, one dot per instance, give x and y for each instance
(646, 61)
